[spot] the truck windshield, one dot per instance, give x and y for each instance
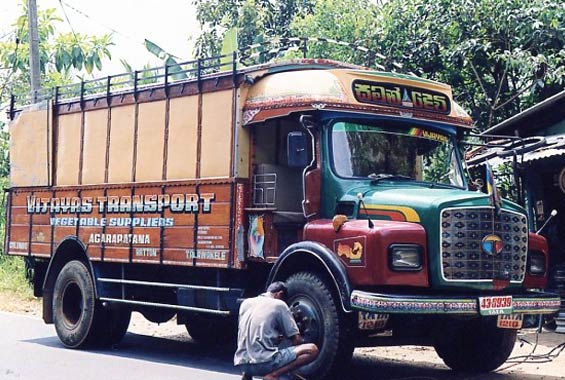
(394, 151)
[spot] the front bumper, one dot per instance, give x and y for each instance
(527, 303)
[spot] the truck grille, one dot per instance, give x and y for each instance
(462, 231)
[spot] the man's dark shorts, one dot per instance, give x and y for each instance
(280, 359)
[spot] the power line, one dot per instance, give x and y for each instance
(73, 31)
(7, 34)
(68, 22)
(87, 16)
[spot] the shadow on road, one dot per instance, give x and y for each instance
(162, 350)
(219, 359)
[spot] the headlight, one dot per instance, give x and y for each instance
(536, 263)
(405, 257)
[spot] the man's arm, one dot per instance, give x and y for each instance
(296, 339)
(286, 322)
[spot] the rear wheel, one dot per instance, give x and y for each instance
(80, 319)
(111, 326)
(475, 346)
(310, 298)
(74, 305)
(212, 330)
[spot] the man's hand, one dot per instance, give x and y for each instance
(296, 340)
(301, 320)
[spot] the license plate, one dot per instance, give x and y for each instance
(512, 321)
(497, 305)
(370, 321)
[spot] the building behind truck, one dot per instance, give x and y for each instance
(540, 169)
(184, 196)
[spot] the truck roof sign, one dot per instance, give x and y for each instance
(391, 94)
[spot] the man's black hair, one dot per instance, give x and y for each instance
(276, 287)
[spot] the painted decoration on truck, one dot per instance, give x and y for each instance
(178, 224)
(396, 95)
(351, 250)
(392, 212)
(61, 209)
(430, 135)
(256, 236)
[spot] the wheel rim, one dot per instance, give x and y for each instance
(72, 304)
(309, 316)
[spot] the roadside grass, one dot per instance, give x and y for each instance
(12, 278)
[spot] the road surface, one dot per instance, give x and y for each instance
(30, 350)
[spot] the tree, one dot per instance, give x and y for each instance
(63, 56)
(255, 21)
(500, 56)
(343, 20)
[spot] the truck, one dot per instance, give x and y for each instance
(179, 193)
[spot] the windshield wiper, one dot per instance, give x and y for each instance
(375, 178)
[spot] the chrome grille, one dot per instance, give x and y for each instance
(462, 231)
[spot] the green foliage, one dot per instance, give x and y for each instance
(343, 20)
(167, 58)
(78, 51)
(12, 277)
(62, 56)
(4, 158)
(500, 56)
(255, 21)
(505, 182)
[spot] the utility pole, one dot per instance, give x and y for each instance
(35, 80)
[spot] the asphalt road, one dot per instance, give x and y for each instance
(30, 350)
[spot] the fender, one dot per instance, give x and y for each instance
(325, 258)
(68, 249)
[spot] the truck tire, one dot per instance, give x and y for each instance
(310, 297)
(74, 305)
(111, 326)
(475, 346)
(212, 331)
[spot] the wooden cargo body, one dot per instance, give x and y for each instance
(142, 176)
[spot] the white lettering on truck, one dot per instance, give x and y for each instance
(176, 203)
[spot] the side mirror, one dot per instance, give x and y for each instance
(297, 151)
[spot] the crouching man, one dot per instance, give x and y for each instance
(264, 323)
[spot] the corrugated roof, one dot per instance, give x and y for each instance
(555, 146)
(551, 108)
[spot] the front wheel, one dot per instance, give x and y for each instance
(311, 300)
(474, 346)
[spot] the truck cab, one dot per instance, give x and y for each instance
(411, 250)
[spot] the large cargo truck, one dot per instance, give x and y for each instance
(182, 193)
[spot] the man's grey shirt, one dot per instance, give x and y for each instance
(262, 320)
